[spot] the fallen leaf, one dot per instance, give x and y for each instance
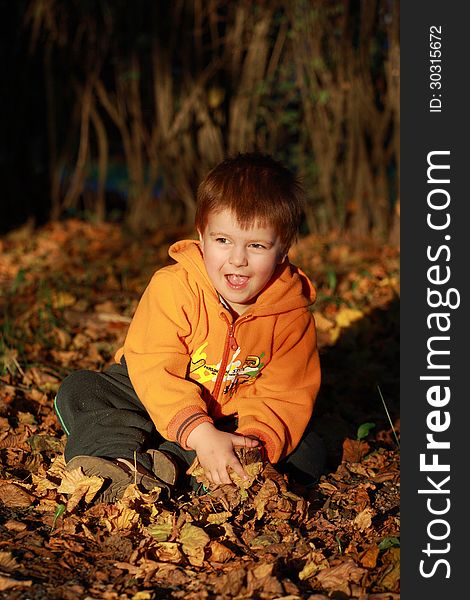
(364, 519)
(346, 316)
(337, 578)
(15, 440)
(6, 583)
(219, 517)
(369, 557)
(13, 525)
(266, 493)
(120, 518)
(61, 299)
(390, 580)
(193, 540)
(160, 531)
(7, 561)
(219, 552)
(169, 552)
(354, 450)
(57, 468)
(321, 322)
(14, 496)
(78, 485)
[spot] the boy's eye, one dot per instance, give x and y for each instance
(221, 240)
(258, 246)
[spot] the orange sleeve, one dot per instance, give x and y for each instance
(157, 357)
(278, 406)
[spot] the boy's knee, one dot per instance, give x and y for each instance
(73, 389)
(307, 462)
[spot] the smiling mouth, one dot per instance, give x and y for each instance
(236, 282)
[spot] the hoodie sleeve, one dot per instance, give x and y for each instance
(158, 359)
(278, 406)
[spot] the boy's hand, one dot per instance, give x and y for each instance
(214, 449)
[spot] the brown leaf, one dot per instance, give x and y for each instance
(15, 440)
(13, 525)
(42, 484)
(7, 561)
(346, 316)
(261, 578)
(369, 557)
(364, 519)
(231, 582)
(14, 496)
(78, 486)
(193, 537)
(169, 552)
(338, 578)
(219, 552)
(266, 493)
(6, 583)
(57, 468)
(354, 450)
(61, 299)
(120, 518)
(219, 517)
(265, 539)
(160, 531)
(315, 563)
(193, 540)
(390, 580)
(361, 497)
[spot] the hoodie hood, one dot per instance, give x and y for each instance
(289, 288)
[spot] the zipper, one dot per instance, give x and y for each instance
(230, 344)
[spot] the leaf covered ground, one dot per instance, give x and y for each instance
(67, 294)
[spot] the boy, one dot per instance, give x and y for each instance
(221, 352)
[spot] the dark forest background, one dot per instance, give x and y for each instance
(115, 109)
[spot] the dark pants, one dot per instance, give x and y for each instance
(102, 416)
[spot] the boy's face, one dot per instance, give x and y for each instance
(239, 262)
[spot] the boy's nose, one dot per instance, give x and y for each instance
(238, 257)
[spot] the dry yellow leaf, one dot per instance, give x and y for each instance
(7, 583)
(193, 540)
(267, 492)
(8, 561)
(78, 485)
(160, 531)
(142, 596)
(121, 518)
(339, 577)
(62, 299)
(57, 468)
(14, 496)
(193, 537)
(219, 552)
(219, 518)
(322, 323)
(42, 484)
(364, 519)
(369, 557)
(346, 316)
(169, 552)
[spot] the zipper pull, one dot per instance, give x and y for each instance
(232, 340)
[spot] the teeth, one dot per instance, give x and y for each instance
(237, 279)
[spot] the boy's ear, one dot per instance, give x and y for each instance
(281, 258)
(201, 239)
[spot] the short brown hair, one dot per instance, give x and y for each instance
(256, 188)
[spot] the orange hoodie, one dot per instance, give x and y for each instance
(189, 362)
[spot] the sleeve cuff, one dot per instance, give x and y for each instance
(268, 448)
(185, 422)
